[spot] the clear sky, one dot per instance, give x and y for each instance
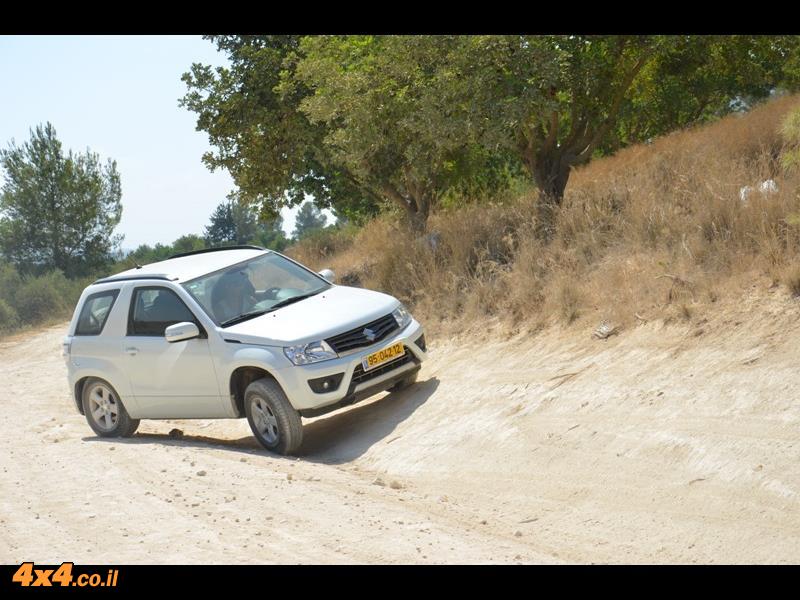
(118, 95)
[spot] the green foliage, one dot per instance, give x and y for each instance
(231, 224)
(10, 282)
(47, 297)
(235, 223)
(309, 220)
(270, 148)
(145, 254)
(8, 317)
(699, 78)
(384, 103)
(58, 210)
(270, 234)
(556, 101)
(361, 122)
(188, 243)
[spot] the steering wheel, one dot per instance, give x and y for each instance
(93, 321)
(271, 293)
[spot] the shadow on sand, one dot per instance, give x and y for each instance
(337, 438)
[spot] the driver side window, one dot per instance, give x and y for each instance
(154, 309)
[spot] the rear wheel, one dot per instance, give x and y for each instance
(274, 421)
(104, 410)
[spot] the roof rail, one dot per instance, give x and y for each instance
(217, 249)
(111, 278)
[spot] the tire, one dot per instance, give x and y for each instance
(406, 382)
(274, 421)
(104, 410)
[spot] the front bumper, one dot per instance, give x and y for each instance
(355, 385)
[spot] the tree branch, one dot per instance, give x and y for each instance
(552, 134)
(354, 180)
(393, 194)
(585, 152)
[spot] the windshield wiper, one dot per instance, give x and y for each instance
(258, 313)
(292, 300)
(244, 317)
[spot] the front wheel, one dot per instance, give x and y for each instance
(104, 410)
(274, 421)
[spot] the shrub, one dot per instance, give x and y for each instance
(8, 317)
(9, 283)
(45, 297)
(323, 243)
(790, 276)
(790, 129)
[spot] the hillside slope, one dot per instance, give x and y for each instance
(661, 230)
(662, 444)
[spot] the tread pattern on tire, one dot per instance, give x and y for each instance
(289, 423)
(126, 426)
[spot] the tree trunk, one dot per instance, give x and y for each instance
(417, 217)
(550, 173)
(417, 206)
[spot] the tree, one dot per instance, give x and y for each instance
(387, 120)
(309, 218)
(353, 121)
(358, 121)
(146, 254)
(556, 100)
(699, 78)
(271, 149)
(231, 224)
(188, 243)
(270, 234)
(58, 210)
(234, 223)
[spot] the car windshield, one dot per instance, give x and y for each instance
(254, 287)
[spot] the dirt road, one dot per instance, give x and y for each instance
(677, 444)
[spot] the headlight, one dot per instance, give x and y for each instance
(402, 316)
(309, 353)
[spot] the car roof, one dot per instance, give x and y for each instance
(187, 266)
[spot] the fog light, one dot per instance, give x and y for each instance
(329, 383)
(421, 343)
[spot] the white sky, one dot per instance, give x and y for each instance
(118, 95)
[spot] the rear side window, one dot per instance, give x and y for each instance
(154, 309)
(95, 312)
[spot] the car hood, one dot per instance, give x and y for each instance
(336, 310)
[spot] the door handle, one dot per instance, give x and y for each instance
(131, 350)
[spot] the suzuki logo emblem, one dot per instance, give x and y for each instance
(369, 334)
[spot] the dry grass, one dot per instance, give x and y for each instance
(657, 231)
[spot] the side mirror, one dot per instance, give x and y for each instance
(181, 331)
(328, 274)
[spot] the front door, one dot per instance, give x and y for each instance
(170, 380)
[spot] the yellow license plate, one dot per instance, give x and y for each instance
(376, 359)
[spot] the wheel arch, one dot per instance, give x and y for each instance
(77, 392)
(240, 378)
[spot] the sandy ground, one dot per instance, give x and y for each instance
(663, 444)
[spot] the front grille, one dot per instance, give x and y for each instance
(355, 338)
(360, 376)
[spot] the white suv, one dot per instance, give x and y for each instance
(229, 333)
